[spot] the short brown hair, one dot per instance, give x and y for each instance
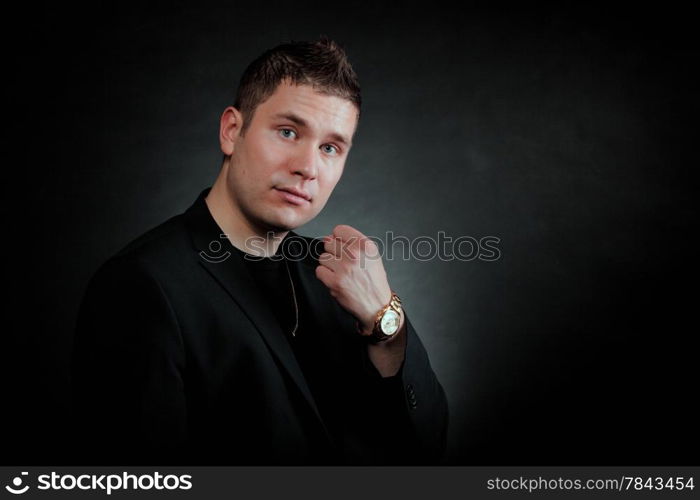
(321, 64)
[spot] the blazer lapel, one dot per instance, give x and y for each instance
(233, 276)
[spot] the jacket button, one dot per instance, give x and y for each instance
(411, 396)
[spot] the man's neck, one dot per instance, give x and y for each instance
(240, 232)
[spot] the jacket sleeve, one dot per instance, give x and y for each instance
(128, 360)
(425, 399)
(414, 405)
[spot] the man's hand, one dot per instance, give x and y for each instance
(352, 269)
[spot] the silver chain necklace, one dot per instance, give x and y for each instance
(294, 296)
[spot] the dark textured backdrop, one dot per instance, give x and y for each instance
(566, 133)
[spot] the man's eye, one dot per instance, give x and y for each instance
(286, 133)
(333, 150)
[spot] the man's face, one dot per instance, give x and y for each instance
(298, 140)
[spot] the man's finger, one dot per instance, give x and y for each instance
(332, 262)
(347, 233)
(333, 245)
(325, 275)
(342, 248)
(353, 241)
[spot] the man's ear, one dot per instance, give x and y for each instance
(230, 129)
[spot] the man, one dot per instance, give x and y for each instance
(222, 337)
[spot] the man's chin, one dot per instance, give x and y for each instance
(278, 226)
(283, 220)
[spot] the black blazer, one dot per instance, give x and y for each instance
(178, 359)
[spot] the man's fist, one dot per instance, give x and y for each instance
(352, 269)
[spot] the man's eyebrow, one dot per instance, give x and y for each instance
(302, 123)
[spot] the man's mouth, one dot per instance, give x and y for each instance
(293, 195)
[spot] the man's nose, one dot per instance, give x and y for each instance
(305, 162)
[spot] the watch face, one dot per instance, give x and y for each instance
(390, 322)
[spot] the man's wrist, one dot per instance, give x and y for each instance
(388, 356)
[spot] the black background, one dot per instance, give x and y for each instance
(567, 132)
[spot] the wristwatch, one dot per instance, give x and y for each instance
(387, 321)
